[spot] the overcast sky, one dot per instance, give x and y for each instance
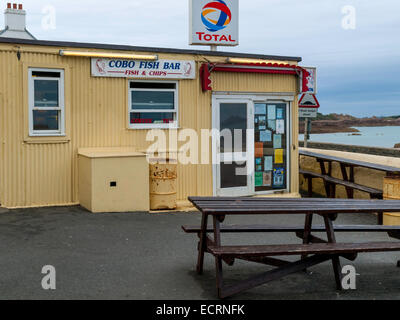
(359, 69)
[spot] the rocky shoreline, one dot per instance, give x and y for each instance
(347, 125)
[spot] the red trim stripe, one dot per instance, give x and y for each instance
(266, 68)
(252, 70)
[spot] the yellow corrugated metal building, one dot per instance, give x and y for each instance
(39, 146)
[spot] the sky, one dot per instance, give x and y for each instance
(358, 67)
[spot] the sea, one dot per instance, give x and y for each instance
(385, 137)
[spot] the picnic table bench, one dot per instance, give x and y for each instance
(347, 180)
(312, 251)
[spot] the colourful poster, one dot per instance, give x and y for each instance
(267, 179)
(280, 126)
(277, 141)
(258, 150)
(258, 161)
(259, 179)
(265, 136)
(262, 123)
(272, 124)
(278, 156)
(260, 109)
(279, 177)
(279, 113)
(268, 163)
(271, 112)
(259, 168)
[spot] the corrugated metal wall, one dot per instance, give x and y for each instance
(39, 172)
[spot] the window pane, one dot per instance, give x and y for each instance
(152, 118)
(231, 177)
(46, 74)
(233, 124)
(152, 85)
(152, 100)
(46, 93)
(45, 120)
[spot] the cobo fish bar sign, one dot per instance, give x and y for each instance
(165, 69)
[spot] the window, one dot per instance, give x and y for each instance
(46, 102)
(153, 104)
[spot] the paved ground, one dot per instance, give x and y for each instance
(143, 256)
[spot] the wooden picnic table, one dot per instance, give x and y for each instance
(350, 163)
(313, 250)
(347, 180)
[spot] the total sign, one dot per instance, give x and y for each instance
(214, 22)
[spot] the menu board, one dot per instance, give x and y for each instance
(270, 134)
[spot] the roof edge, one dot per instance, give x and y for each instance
(4, 30)
(33, 37)
(144, 49)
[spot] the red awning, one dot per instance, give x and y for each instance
(269, 68)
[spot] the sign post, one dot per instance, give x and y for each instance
(306, 132)
(308, 109)
(214, 23)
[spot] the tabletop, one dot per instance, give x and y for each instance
(351, 162)
(247, 205)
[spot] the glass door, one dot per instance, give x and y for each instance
(234, 144)
(271, 141)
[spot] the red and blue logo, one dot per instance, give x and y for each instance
(216, 15)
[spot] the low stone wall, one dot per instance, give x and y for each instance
(363, 176)
(389, 152)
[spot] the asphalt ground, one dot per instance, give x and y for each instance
(148, 256)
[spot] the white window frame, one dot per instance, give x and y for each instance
(255, 98)
(60, 108)
(173, 125)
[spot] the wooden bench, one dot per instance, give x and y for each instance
(312, 251)
(332, 182)
(300, 249)
(263, 254)
(392, 231)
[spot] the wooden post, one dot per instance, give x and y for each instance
(391, 191)
(202, 244)
(307, 123)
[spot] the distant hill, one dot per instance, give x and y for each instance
(333, 123)
(336, 116)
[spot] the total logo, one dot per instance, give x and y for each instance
(216, 16)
